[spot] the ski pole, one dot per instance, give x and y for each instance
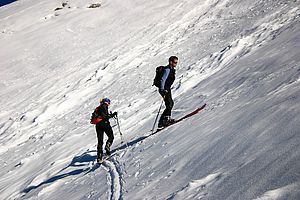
(157, 114)
(117, 120)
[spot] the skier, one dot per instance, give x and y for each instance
(165, 84)
(102, 116)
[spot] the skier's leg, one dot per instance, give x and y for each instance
(170, 104)
(110, 135)
(100, 133)
(166, 115)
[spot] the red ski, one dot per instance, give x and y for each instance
(182, 118)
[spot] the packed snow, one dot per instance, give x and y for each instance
(241, 58)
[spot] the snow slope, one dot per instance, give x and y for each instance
(239, 57)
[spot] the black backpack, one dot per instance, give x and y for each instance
(158, 75)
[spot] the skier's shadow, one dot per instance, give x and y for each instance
(131, 143)
(81, 161)
(77, 161)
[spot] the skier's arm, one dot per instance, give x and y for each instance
(164, 78)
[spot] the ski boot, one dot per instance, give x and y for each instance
(170, 120)
(165, 121)
(100, 158)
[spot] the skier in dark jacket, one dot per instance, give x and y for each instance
(166, 82)
(101, 113)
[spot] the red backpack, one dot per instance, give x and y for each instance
(95, 119)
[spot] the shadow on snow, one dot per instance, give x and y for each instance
(77, 161)
(81, 161)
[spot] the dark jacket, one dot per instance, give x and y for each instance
(102, 111)
(168, 78)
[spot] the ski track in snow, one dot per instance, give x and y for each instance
(115, 178)
(111, 167)
(114, 174)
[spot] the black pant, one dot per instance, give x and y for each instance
(168, 102)
(102, 128)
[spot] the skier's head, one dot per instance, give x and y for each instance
(105, 101)
(173, 61)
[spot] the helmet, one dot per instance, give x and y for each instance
(105, 100)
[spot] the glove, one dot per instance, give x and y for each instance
(114, 114)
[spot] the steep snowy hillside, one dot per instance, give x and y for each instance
(241, 58)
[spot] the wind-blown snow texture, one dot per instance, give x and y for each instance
(239, 57)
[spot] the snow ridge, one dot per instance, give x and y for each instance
(196, 189)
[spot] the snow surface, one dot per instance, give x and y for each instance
(239, 57)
